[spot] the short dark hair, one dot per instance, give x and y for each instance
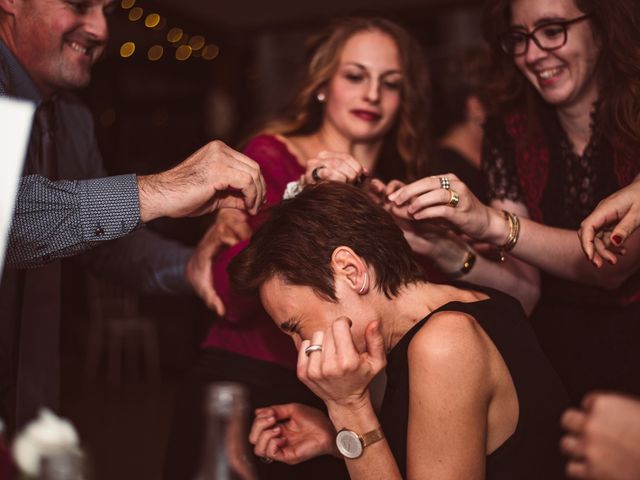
(297, 241)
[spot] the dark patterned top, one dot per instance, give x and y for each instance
(534, 164)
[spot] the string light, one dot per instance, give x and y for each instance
(183, 52)
(127, 49)
(155, 53)
(210, 52)
(135, 14)
(196, 42)
(175, 35)
(152, 20)
(187, 46)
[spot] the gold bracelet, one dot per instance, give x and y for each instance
(514, 233)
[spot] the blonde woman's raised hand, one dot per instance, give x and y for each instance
(338, 167)
(229, 228)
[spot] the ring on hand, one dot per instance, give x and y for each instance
(312, 348)
(444, 183)
(266, 460)
(454, 198)
(315, 175)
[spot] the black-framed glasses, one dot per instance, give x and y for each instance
(549, 36)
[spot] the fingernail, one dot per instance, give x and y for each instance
(617, 239)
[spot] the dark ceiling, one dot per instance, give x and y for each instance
(256, 13)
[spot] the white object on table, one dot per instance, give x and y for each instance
(15, 128)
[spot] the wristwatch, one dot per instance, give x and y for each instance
(351, 445)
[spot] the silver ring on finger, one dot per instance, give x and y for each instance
(266, 460)
(312, 348)
(454, 199)
(315, 175)
(444, 183)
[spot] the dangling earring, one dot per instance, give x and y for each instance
(364, 284)
(321, 97)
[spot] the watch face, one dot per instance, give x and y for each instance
(349, 444)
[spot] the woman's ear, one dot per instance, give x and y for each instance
(352, 269)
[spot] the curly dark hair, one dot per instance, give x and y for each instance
(617, 26)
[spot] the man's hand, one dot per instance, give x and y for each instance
(229, 228)
(215, 176)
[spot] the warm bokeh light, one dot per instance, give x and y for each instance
(196, 42)
(135, 14)
(127, 4)
(174, 35)
(152, 20)
(210, 52)
(183, 52)
(155, 53)
(127, 49)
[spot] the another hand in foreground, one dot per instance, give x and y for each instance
(621, 211)
(292, 433)
(215, 176)
(339, 374)
(603, 438)
(229, 228)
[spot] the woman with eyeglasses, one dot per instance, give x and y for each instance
(568, 73)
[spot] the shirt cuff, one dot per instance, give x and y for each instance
(109, 207)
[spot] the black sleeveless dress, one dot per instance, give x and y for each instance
(532, 452)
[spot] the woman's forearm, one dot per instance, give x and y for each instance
(558, 252)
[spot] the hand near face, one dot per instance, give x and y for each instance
(338, 167)
(426, 199)
(603, 438)
(339, 374)
(292, 433)
(621, 211)
(215, 176)
(229, 228)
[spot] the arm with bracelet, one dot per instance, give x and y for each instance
(554, 250)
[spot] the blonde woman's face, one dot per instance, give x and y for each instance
(363, 96)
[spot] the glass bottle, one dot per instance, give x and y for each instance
(226, 454)
(68, 464)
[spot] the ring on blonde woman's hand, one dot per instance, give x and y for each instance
(312, 348)
(315, 175)
(444, 183)
(266, 460)
(454, 198)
